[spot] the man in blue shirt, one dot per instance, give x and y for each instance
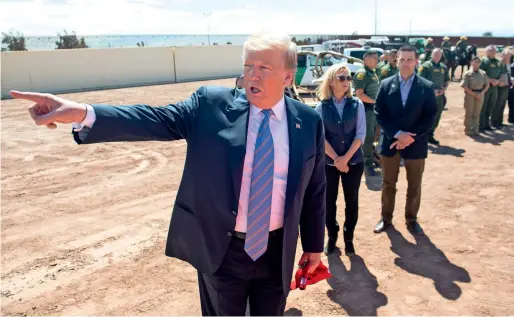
(405, 110)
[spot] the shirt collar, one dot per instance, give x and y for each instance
(340, 102)
(408, 81)
(279, 110)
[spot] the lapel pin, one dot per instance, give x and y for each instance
(298, 126)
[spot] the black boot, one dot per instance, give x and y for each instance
(349, 250)
(331, 245)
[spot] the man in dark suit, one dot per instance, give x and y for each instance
(405, 110)
(253, 179)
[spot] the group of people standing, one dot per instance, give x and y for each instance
(405, 103)
(488, 87)
(262, 170)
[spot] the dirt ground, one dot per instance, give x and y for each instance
(84, 227)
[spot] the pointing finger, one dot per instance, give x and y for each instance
(32, 96)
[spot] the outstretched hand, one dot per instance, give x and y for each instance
(48, 109)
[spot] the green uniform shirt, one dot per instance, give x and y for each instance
(492, 67)
(429, 47)
(366, 78)
(380, 65)
(437, 73)
(387, 71)
(446, 45)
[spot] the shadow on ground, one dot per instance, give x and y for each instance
(424, 259)
(496, 137)
(355, 289)
(446, 150)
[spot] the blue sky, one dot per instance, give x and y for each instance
(91, 17)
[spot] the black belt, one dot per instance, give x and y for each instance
(274, 233)
(476, 90)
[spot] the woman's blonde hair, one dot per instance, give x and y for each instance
(324, 90)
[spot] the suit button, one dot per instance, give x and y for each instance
(229, 234)
(234, 212)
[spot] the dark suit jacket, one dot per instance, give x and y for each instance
(214, 122)
(417, 117)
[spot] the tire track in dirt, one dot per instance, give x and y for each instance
(70, 258)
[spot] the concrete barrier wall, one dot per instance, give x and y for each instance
(206, 62)
(62, 71)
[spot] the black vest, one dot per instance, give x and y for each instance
(340, 133)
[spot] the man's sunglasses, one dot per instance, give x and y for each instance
(343, 78)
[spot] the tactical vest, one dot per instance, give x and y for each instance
(340, 133)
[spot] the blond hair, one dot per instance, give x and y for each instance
(262, 41)
(324, 90)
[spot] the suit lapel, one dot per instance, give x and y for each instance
(294, 125)
(238, 115)
(396, 92)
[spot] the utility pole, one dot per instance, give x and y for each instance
(376, 9)
(410, 27)
(208, 27)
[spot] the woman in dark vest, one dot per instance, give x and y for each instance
(344, 120)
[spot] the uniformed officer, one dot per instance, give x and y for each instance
(384, 60)
(462, 44)
(366, 89)
(437, 73)
(429, 47)
(391, 68)
(446, 44)
(492, 66)
(503, 90)
(475, 83)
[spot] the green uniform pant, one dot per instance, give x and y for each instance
(491, 96)
(497, 114)
(440, 107)
(472, 115)
(367, 148)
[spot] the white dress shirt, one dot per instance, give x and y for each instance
(280, 134)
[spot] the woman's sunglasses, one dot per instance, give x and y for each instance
(342, 78)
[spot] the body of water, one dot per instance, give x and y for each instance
(37, 43)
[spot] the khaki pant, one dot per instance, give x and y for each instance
(472, 115)
(497, 115)
(390, 170)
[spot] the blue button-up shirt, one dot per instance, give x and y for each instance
(405, 86)
(360, 132)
